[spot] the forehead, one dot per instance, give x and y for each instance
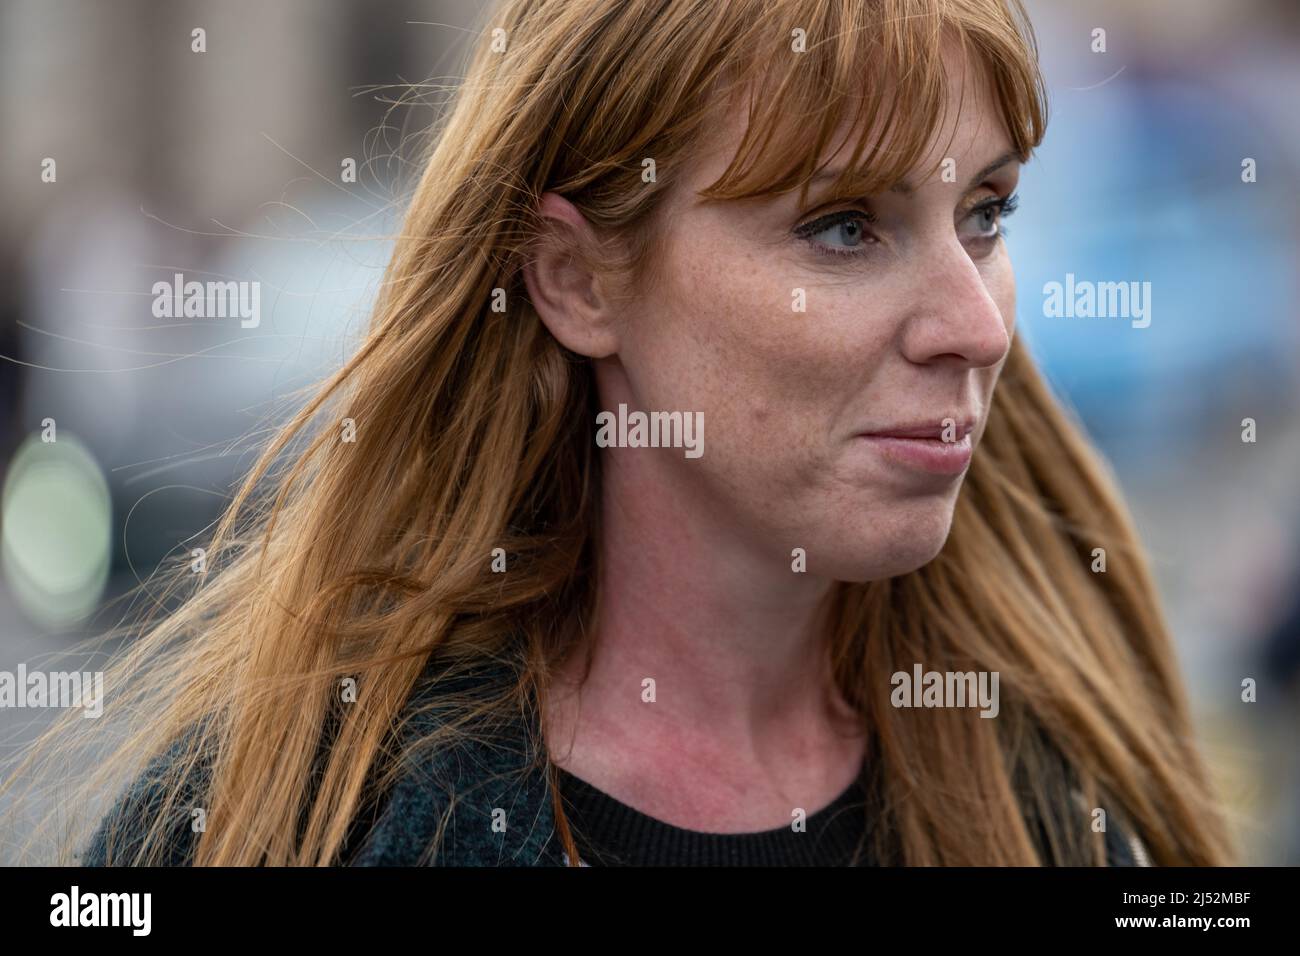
(968, 128)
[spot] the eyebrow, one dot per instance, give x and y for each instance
(907, 190)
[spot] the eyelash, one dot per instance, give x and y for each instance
(819, 225)
(1005, 206)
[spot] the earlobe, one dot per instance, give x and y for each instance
(564, 290)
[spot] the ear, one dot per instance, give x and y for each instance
(566, 293)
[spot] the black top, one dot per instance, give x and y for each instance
(610, 833)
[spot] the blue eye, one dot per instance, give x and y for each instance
(987, 217)
(841, 233)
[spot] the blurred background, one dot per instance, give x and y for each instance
(230, 165)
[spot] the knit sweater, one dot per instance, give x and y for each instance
(490, 796)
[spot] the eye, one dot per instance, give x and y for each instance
(842, 233)
(984, 222)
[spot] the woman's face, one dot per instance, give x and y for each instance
(909, 315)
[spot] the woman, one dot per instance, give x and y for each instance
(508, 605)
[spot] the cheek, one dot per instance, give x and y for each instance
(722, 336)
(1001, 282)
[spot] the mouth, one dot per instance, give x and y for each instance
(938, 448)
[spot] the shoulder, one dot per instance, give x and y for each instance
(1122, 844)
(477, 797)
(156, 811)
(1124, 848)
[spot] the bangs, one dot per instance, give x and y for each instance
(875, 67)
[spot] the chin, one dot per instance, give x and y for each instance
(886, 546)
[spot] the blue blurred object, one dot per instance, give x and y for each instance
(1128, 187)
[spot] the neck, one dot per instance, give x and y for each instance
(724, 627)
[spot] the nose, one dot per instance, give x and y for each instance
(956, 320)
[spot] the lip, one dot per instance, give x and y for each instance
(930, 429)
(921, 446)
